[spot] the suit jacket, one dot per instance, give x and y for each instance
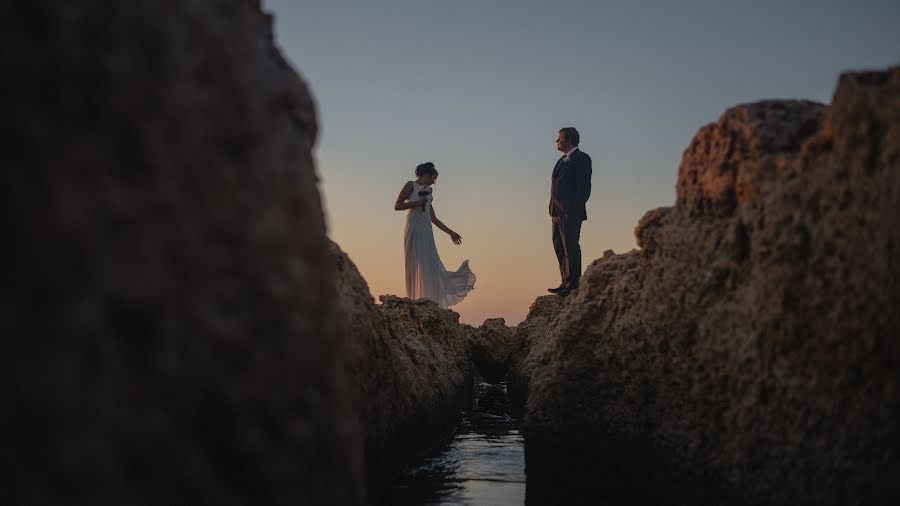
(570, 186)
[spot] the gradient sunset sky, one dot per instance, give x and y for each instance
(482, 87)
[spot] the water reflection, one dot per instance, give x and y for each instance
(483, 463)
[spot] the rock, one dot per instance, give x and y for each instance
(645, 232)
(493, 344)
(168, 309)
(751, 347)
(751, 144)
(531, 340)
(411, 366)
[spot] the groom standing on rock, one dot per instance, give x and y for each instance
(570, 188)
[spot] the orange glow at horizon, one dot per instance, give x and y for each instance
(507, 243)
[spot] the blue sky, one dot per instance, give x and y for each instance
(481, 88)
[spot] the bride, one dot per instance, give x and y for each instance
(426, 276)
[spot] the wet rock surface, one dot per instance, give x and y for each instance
(748, 353)
(168, 309)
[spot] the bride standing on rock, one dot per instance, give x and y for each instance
(426, 276)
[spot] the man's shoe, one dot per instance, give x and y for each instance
(555, 290)
(566, 290)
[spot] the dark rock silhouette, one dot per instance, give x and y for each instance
(175, 329)
(411, 364)
(748, 353)
(531, 338)
(168, 311)
(493, 345)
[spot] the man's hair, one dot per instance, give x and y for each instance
(571, 135)
(426, 168)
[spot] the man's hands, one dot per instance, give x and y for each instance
(457, 239)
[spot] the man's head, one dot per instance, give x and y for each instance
(568, 138)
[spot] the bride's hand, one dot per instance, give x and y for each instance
(457, 239)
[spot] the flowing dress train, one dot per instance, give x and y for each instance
(426, 276)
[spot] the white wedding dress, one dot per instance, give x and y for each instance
(426, 276)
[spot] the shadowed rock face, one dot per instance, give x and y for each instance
(751, 345)
(493, 344)
(168, 310)
(531, 339)
(411, 365)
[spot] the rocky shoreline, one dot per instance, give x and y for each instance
(412, 367)
(748, 352)
(176, 327)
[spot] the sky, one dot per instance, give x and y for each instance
(481, 89)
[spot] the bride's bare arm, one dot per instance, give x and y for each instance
(401, 204)
(457, 239)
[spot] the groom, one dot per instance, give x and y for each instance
(570, 188)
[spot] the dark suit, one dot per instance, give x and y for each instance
(570, 188)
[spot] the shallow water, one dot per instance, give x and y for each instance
(483, 463)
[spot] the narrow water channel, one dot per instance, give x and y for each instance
(482, 464)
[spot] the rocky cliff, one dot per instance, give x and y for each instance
(749, 351)
(168, 311)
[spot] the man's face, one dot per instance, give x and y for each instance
(562, 144)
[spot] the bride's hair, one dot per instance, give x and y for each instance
(425, 169)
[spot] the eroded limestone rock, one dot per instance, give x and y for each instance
(168, 310)
(751, 347)
(411, 365)
(531, 338)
